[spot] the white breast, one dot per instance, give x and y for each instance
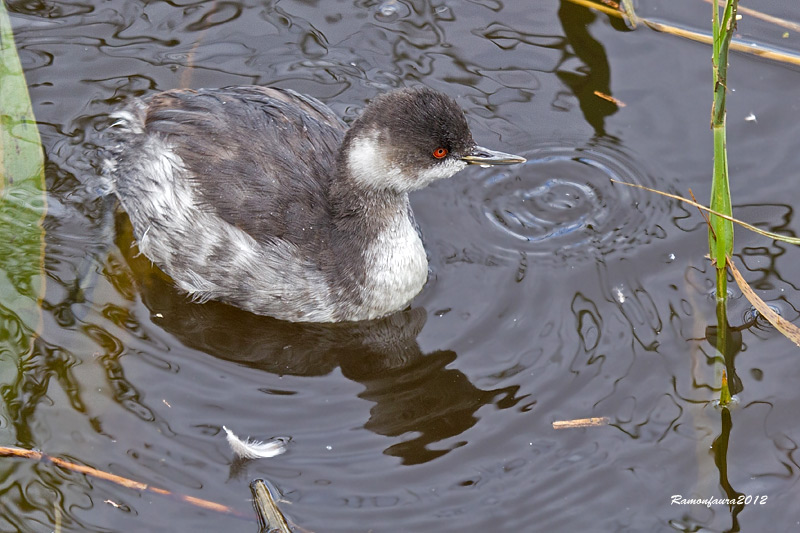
(397, 266)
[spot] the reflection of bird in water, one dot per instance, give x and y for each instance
(413, 393)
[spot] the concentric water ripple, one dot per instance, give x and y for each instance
(563, 206)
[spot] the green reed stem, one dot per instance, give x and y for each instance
(720, 234)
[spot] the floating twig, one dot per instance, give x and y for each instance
(788, 329)
(581, 423)
(609, 98)
(789, 25)
(614, 12)
(775, 236)
(737, 45)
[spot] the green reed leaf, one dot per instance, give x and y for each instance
(22, 209)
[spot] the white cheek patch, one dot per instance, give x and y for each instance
(371, 166)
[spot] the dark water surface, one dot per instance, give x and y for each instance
(554, 295)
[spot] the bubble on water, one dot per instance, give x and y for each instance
(388, 8)
(619, 293)
(391, 10)
(753, 317)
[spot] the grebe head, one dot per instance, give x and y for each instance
(408, 138)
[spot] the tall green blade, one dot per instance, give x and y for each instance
(721, 232)
(22, 209)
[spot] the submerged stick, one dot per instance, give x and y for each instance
(8, 451)
(269, 515)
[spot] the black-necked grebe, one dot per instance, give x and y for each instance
(262, 198)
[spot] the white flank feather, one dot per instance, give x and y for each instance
(254, 449)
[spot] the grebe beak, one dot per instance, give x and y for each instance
(485, 157)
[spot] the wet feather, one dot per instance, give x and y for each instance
(254, 449)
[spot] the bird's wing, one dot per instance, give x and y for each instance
(260, 158)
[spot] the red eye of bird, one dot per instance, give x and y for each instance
(439, 153)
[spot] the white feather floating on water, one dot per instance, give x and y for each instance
(254, 449)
